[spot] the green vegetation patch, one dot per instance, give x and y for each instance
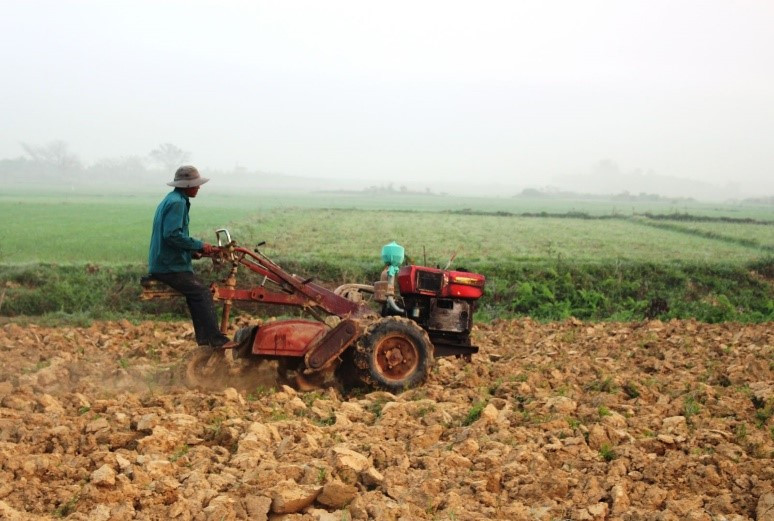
(545, 291)
(117, 230)
(88, 254)
(629, 291)
(96, 229)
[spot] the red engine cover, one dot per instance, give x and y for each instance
(287, 337)
(421, 280)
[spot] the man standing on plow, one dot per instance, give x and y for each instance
(171, 251)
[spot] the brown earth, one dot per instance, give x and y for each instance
(647, 421)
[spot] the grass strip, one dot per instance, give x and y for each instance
(547, 290)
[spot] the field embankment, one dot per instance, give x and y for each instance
(545, 291)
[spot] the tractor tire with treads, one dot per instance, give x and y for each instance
(205, 368)
(394, 354)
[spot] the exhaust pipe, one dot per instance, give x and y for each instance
(391, 297)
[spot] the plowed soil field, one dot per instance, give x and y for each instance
(645, 421)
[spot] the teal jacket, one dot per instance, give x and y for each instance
(170, 246)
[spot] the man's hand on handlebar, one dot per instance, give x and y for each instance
(208, 249)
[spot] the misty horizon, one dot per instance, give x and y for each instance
(674, 99)
(55, 166)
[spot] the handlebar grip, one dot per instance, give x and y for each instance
(224, 232)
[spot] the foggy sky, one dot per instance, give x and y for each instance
(485, 92)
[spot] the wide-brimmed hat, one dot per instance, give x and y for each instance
(188, 177)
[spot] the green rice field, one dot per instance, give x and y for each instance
(81, 255)
(115, 230)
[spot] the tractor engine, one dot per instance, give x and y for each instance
(442, 302)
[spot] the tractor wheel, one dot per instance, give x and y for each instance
(394, 354)
(257, 373)
(206, 369)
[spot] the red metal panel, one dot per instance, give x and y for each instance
(462, 291)
(455, 284)
(463, 284)
(332, 344)
(287, 337)
(408, 280)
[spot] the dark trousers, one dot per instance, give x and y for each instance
(200, 305)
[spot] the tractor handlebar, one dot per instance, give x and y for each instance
(223, 231)
(290, 289)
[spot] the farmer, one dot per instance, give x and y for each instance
(171, 250)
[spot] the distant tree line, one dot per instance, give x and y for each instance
(54, 164)
(623, 196)
(388, 189)
(760, 200)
